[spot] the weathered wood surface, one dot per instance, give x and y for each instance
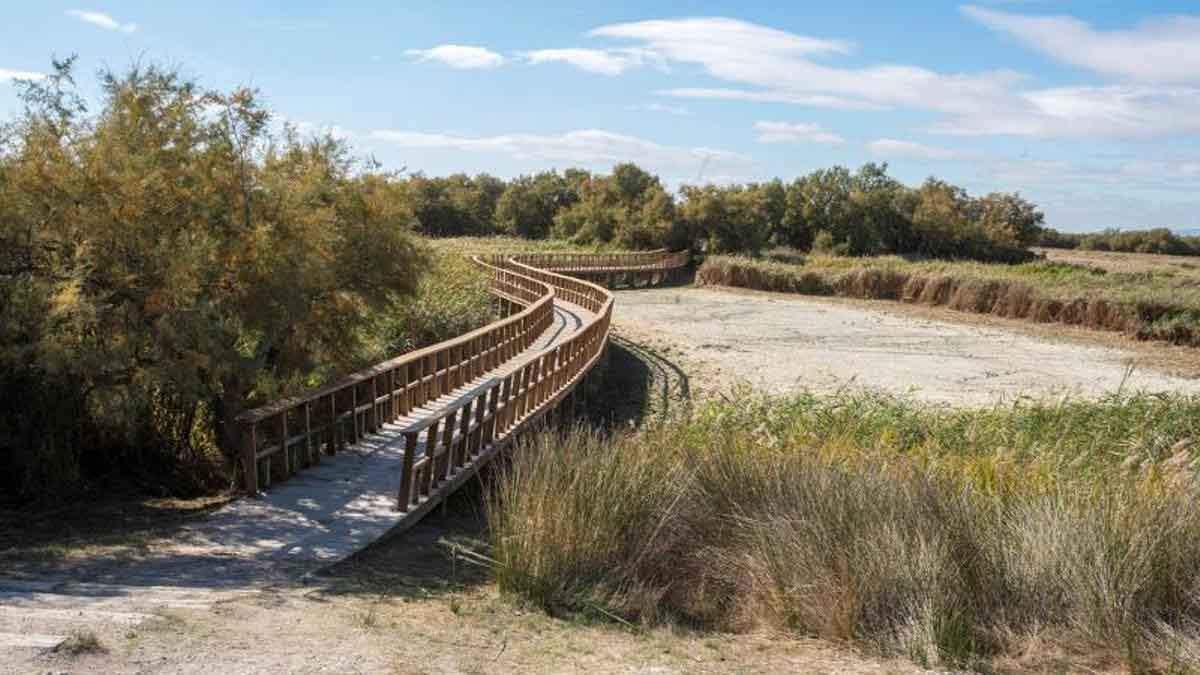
(456, 403)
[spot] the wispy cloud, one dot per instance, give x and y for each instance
(891, 148)
(659, 108)
(586, 146)
(6, 75)
(1159, 50)
(795, 132)
(600, 61)
(459, 56)
(770, 65)
(102, 20)
(810, 100)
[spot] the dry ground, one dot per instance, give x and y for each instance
(784, 342)
(408, 606)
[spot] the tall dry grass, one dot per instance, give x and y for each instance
(1162, 305)
(1010, 537)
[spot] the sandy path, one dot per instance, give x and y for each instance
(781, 343)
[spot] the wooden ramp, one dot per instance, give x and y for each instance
(331, 472)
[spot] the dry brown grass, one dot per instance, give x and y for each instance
(1146, 305)
(1030, 535)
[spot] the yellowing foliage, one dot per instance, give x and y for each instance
(170, 256)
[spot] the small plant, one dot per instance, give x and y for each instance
(81, 642)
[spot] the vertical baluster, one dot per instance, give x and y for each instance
(480, 414)
(309, 446)
(405, 498)
(402, 393)
(250, 456)
(464, 432)
(431, 442)
(445, 460)
(284, 459)
(337, 439)
(506, 399)
(354, 413)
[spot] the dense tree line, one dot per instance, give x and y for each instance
(1156, 240)
(863, 212)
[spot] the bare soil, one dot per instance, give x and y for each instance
(409, 605)
(783, 342)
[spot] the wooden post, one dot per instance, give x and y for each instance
(446, 461)
(354, 413)
(404, 399)
(308, 444)
(464, 431)
(338, 437)
(285, 460)
(431, 442)
(250, 457)
(480, 413)
(406, 470)
(371, 418)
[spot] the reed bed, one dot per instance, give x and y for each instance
(1042, 535)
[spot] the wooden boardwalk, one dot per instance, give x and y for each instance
(330, 472)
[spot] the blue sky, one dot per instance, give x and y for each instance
(1091, 109)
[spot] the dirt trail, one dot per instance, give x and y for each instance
(782, 343)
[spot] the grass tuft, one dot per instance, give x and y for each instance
(81, 642)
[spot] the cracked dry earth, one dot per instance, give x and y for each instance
(779, 343)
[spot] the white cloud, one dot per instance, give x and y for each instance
(811, 100)
(795, 132)
(459, 56)
(778, 62)
(600, 61)
(102, 20)
(895, 149)
(1159, 50)
(6, 75)
(776, 66)
(586, 146)
(699, 40)
(660, 108)
(1112, 111)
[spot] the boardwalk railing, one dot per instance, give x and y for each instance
(605, 262)
(443, 434)
(468, 433)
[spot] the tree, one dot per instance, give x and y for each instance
(529, 204)
(174, 264)
(1008, 219)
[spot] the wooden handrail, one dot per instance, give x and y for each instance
(293, 431)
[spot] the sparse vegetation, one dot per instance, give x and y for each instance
(81, 642)
(1037, 535)
(1160, 304)
(1156, 240)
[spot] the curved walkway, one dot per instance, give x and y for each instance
(408, 441)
